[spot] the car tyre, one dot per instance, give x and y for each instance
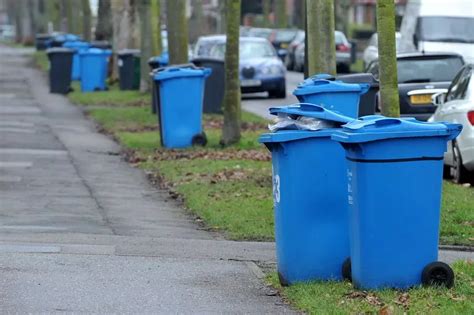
(458, 173)
(437, 274)
(280, 93)
(199, 139)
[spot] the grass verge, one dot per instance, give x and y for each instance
(342, 298)
(230, 189)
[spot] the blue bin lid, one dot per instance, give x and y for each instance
(177, 72)
(316, 85)
(76, 44)
(66, 37)
(376, 127)
(96, 51)
(310, 110)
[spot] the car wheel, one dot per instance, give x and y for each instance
(458, 172)
(280, 93)
(288, 63)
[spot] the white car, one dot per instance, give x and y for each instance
(371, 53)
(457, 106)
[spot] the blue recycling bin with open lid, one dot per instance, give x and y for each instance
(310, 198)
(78, 46)
(334, 95)
(94, 66)
(181, 93)
(394, 170)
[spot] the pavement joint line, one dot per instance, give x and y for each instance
(18, 130)
(255, 269)
(10, 248)
(17, 110)
(32, 151)
(4, 164)
(9, 123)
(10, 179)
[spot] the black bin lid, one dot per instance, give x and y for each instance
(60, 50)
(128, 52)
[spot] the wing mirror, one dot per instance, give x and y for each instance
(437, 99)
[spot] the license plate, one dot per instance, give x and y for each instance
(420, 99)
(283, 45)
(250, 83)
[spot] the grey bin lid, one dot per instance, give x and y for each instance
(127, 52)
(60, 50)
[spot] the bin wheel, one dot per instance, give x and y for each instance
(347, 270)
(438, 273)
(282, 280)
(199, 139)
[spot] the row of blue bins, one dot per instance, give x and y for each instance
(360, 199)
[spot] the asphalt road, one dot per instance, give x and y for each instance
(258, 103)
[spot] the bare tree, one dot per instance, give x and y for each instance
(156, 27)
(321, 51)
(390, 103)
(177, 28)
(266, 8)
(122, 12)
(87, 20)
(281, 18)
(145, 43)
(103, 30)
(231, 107)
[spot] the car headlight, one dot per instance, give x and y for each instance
(274, 69)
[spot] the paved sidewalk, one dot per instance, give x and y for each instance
(82, 231)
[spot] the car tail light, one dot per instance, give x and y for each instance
(470, 117)
(342, 47)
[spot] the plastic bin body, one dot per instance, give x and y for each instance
(214, 91)
(129, 69)
(367, 100)
(60, 69)
(310, 203)
(78, 46)
(334, 95)
(59, 40)
(180, 110)
(394, 193)
(41, 41)
(94, 65)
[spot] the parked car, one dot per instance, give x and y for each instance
(440, 26)
(343, 54)
(457, 106)
(7, 32)
(259, 32)
(290, 57)
(371, 53)
(419, 77)
(260, 67)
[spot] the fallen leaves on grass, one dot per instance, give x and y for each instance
(403, 300)
(386, 310)
(215, 123)
(369, 297)
(227, 175)
(228, 154)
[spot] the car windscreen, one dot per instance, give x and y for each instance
(285, 35)
(339, 38)
(446, 29)
(428, 70)
(247, 50)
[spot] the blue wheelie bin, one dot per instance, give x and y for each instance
(181, 92)
(78, 46)
(94, 66)
(310, 198)
(334, 95)
(395, 175)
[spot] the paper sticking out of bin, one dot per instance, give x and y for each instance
(77, 46)
(336, 96)
(179, 104)
(310, 198)
(394, 173)
(94, 66)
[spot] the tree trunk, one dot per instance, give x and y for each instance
(177, 26)
(341, 12)
(103, 29)
(266, 8)
(145, 43)
(63, 27)
(390, 103)
(320, 34)
(231, 107)
(281, 18)
(19, 11)
(121, 11)
(53, 8)
(87, 20)
(299, 14)
(134, 24)
(156, 27)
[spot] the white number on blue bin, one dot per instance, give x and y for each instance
(276, 188)
(349, 187)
